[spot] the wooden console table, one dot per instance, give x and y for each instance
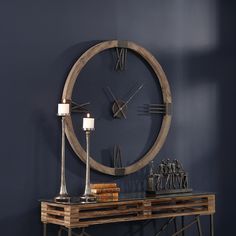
(130, 207)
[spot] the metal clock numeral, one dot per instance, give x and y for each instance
(117, 157)
(157, 108)
(79, 108)
(121, 54)
(117, 161)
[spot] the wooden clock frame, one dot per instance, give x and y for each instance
(166, 94)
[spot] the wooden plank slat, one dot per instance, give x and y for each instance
(143, 217)
(94, 214)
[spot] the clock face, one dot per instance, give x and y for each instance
(125, 89)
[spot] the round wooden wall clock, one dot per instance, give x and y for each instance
(126, 90)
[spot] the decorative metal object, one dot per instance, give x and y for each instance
(169, 177)
(88, 126)
(63, 111)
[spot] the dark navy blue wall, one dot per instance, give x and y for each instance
(39, 42)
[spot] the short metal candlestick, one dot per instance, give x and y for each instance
(88, 197)
(63, 195)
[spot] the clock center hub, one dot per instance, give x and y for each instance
(119, 109)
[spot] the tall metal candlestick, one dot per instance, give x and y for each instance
(63, 111)
(88, 126)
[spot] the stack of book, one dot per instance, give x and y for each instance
(105, 192)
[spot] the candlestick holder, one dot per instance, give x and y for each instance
(63, 195)
(88, 196)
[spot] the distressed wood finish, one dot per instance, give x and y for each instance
(67, 93)
(84, 215)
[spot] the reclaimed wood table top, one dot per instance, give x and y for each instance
(129, 207)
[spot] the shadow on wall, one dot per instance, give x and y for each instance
(205, 115)
(194, 25)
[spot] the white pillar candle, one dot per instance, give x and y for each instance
(63, 108)
(88, 122)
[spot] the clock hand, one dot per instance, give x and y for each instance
(130, 98)
(116, 101)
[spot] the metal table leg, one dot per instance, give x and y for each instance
(212, 225)
(60, 231)
(175, 223)
(185, 227)
(199, 226)
(69, 232)
(164, 226)
(44, 229)
(182, 224)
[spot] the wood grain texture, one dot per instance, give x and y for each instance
(166, 94)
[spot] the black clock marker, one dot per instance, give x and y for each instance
(117, 161)
(158, 108)
(121, 54)
(79, 108)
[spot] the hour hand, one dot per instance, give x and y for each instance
(116, 108)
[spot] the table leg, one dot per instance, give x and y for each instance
(44, 229)
(185, 227)
(164, 226)
(175, 223)
(60, 231)
(182, 224)
(212, 225)
(69, 232)
(199, 226)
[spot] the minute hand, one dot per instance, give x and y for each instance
(120, 108)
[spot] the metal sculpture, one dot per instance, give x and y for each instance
(169, 177)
